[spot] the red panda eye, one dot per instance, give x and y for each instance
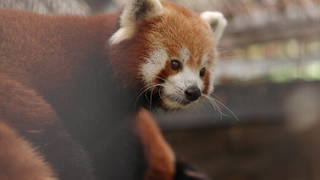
(202, 72)
(176, 65)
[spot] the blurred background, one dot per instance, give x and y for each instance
(262, 122)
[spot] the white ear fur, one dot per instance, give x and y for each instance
(217, 22)
(134, 12)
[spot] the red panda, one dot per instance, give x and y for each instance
(74, 90)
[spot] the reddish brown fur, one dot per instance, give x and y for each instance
(206, 83)
(127, 58)
(185, 29)
(46, 65)
(26, 117)
(18, 158)
(160, 157)
(50, 46)
(16, 101)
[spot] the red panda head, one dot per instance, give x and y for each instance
(174, 49)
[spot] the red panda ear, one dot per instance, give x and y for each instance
(134, 12)
(217, 23)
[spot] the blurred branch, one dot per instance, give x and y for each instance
(281, 31)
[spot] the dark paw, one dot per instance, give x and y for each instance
(185, 172)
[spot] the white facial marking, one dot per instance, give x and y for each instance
(204, 60)
(154, 64)
(184, 54)
(211, 78)
(186, 78)
(172, 104)
(176, 85)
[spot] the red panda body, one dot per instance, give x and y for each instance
(62, 60)
(70, 86)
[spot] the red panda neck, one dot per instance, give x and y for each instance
(127, 58)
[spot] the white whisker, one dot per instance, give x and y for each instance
(214, 106)
(214, 99)
(145, 89)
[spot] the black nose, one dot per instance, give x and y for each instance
(193, 93)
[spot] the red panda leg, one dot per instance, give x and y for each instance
(160, 158)
(19, 160)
